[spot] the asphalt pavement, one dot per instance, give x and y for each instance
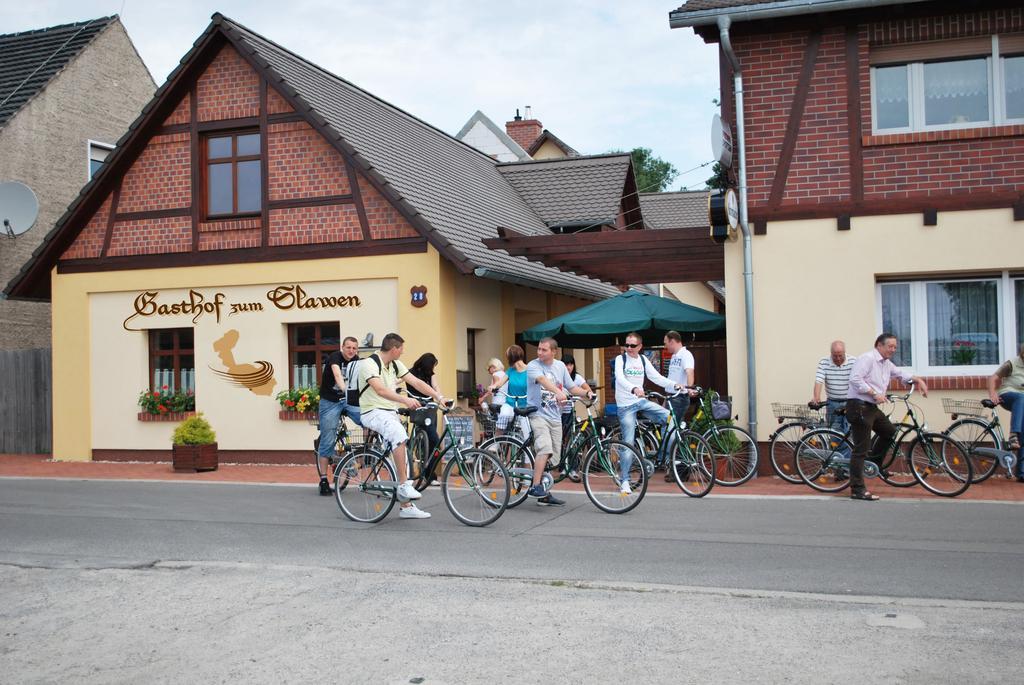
(105, 581)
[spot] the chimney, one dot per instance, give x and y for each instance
(524, 131)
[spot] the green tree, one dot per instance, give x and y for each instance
(719, 178)
(653, 174)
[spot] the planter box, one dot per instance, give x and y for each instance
(175, 417)
(311, 416)
(194, 457)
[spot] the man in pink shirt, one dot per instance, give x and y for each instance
(869, 382)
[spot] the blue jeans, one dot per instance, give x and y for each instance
(838, 423)
(1013, 402)
(330, 415)
(627, 422)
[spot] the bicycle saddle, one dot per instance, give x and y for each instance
(524, 411)
(988, 403)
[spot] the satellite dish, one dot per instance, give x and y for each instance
(18, 207)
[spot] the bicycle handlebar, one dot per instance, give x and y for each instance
(686, 389)
(892, 397)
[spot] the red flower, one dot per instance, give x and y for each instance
(289, 403)
(162, 408)
(164, 387)
(156, 394)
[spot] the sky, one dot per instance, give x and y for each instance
(599, 74)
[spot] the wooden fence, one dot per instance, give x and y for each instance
(26, 394)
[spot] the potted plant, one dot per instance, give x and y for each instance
(299, 403)
(194, 445)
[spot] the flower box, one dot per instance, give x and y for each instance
(194, 457)
(311, 416)
(174, 416)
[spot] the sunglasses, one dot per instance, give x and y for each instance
(631, 346)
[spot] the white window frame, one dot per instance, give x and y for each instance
(915, 92)
(1007, 323)
(90, 144)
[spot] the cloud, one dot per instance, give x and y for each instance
(599, 74)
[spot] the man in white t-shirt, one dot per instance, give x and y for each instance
(378, 376)
(630, 370)
(680, 372)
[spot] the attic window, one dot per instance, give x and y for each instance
(98, 153)
(232, 171)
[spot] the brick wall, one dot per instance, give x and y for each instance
(160, 178)
(304, 225)
(228, 89)
(151, 236)
(300, 164)
(89, 242)
(895, 166)
(384, 219)
(303, 164)
(182, 114)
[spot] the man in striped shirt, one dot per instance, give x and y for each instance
(834, 376)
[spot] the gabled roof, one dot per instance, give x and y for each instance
(549, 136)
(587, 189)
(481, 118)
(29, 60)
(451, 193)
(682, 209)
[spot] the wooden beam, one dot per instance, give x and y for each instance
(321, 201)
(197, 163)
(913, 205)
(264, 167)
(796, 114)
(277, 253)
(357, 197)
(853, 113)
(109, 235)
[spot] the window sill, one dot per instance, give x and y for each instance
(173, 417)
(937, 136)
(311, 416)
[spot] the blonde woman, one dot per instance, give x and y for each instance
(509, 389)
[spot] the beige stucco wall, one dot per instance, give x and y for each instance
(695, 294)
(549, 150)
(45, 146)
(478, 306)
(99, 368)
(814, 284)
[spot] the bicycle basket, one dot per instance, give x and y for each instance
(962, 407)
(795, 411)
(485, 420)
(422, 416)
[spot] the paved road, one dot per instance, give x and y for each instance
(130, 582)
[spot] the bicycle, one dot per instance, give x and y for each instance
(937, 462)
(984, 440)
(342, 446)
(599, 464)
(693, 461)
(734, 449)
(474, 483)
(795, 420)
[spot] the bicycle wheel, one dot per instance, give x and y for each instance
(894, 466)
(822, 460)
(475, 487)
(518, 461)
(601, 477)
(972, 434)
(366, 486)
(735, 454)
(418, 454)
(782, 450)
(940, 464)
(693, 463)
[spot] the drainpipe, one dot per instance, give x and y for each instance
(748, 263)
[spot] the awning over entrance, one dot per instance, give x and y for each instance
(623, 257)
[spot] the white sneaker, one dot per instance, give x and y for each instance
(624, 487)
(413, 512)
(407, 492)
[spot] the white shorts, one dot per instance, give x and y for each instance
(387, 425)
(505, 417)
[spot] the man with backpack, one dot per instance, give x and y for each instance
(631, 368)
(378, 376)
(336, 402)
